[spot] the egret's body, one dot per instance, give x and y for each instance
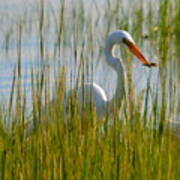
(93, 92)
(99, 97)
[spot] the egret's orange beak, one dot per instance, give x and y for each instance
(136, 51)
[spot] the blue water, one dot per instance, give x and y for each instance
(11, 14)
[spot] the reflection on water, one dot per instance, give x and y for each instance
(30, 52)
(103, 75)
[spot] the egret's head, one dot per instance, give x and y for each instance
(123, 37)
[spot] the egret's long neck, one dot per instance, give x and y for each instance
(109, 52)
(117, 65)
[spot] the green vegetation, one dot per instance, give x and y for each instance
(139, 142)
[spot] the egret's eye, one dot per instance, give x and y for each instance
(127, 42)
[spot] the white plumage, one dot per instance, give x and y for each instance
(93, 92)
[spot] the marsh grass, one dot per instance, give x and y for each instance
(137, 142)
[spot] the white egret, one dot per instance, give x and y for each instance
(94, 91)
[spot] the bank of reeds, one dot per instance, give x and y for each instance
(139, 141)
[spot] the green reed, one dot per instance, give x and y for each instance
(138, 142)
